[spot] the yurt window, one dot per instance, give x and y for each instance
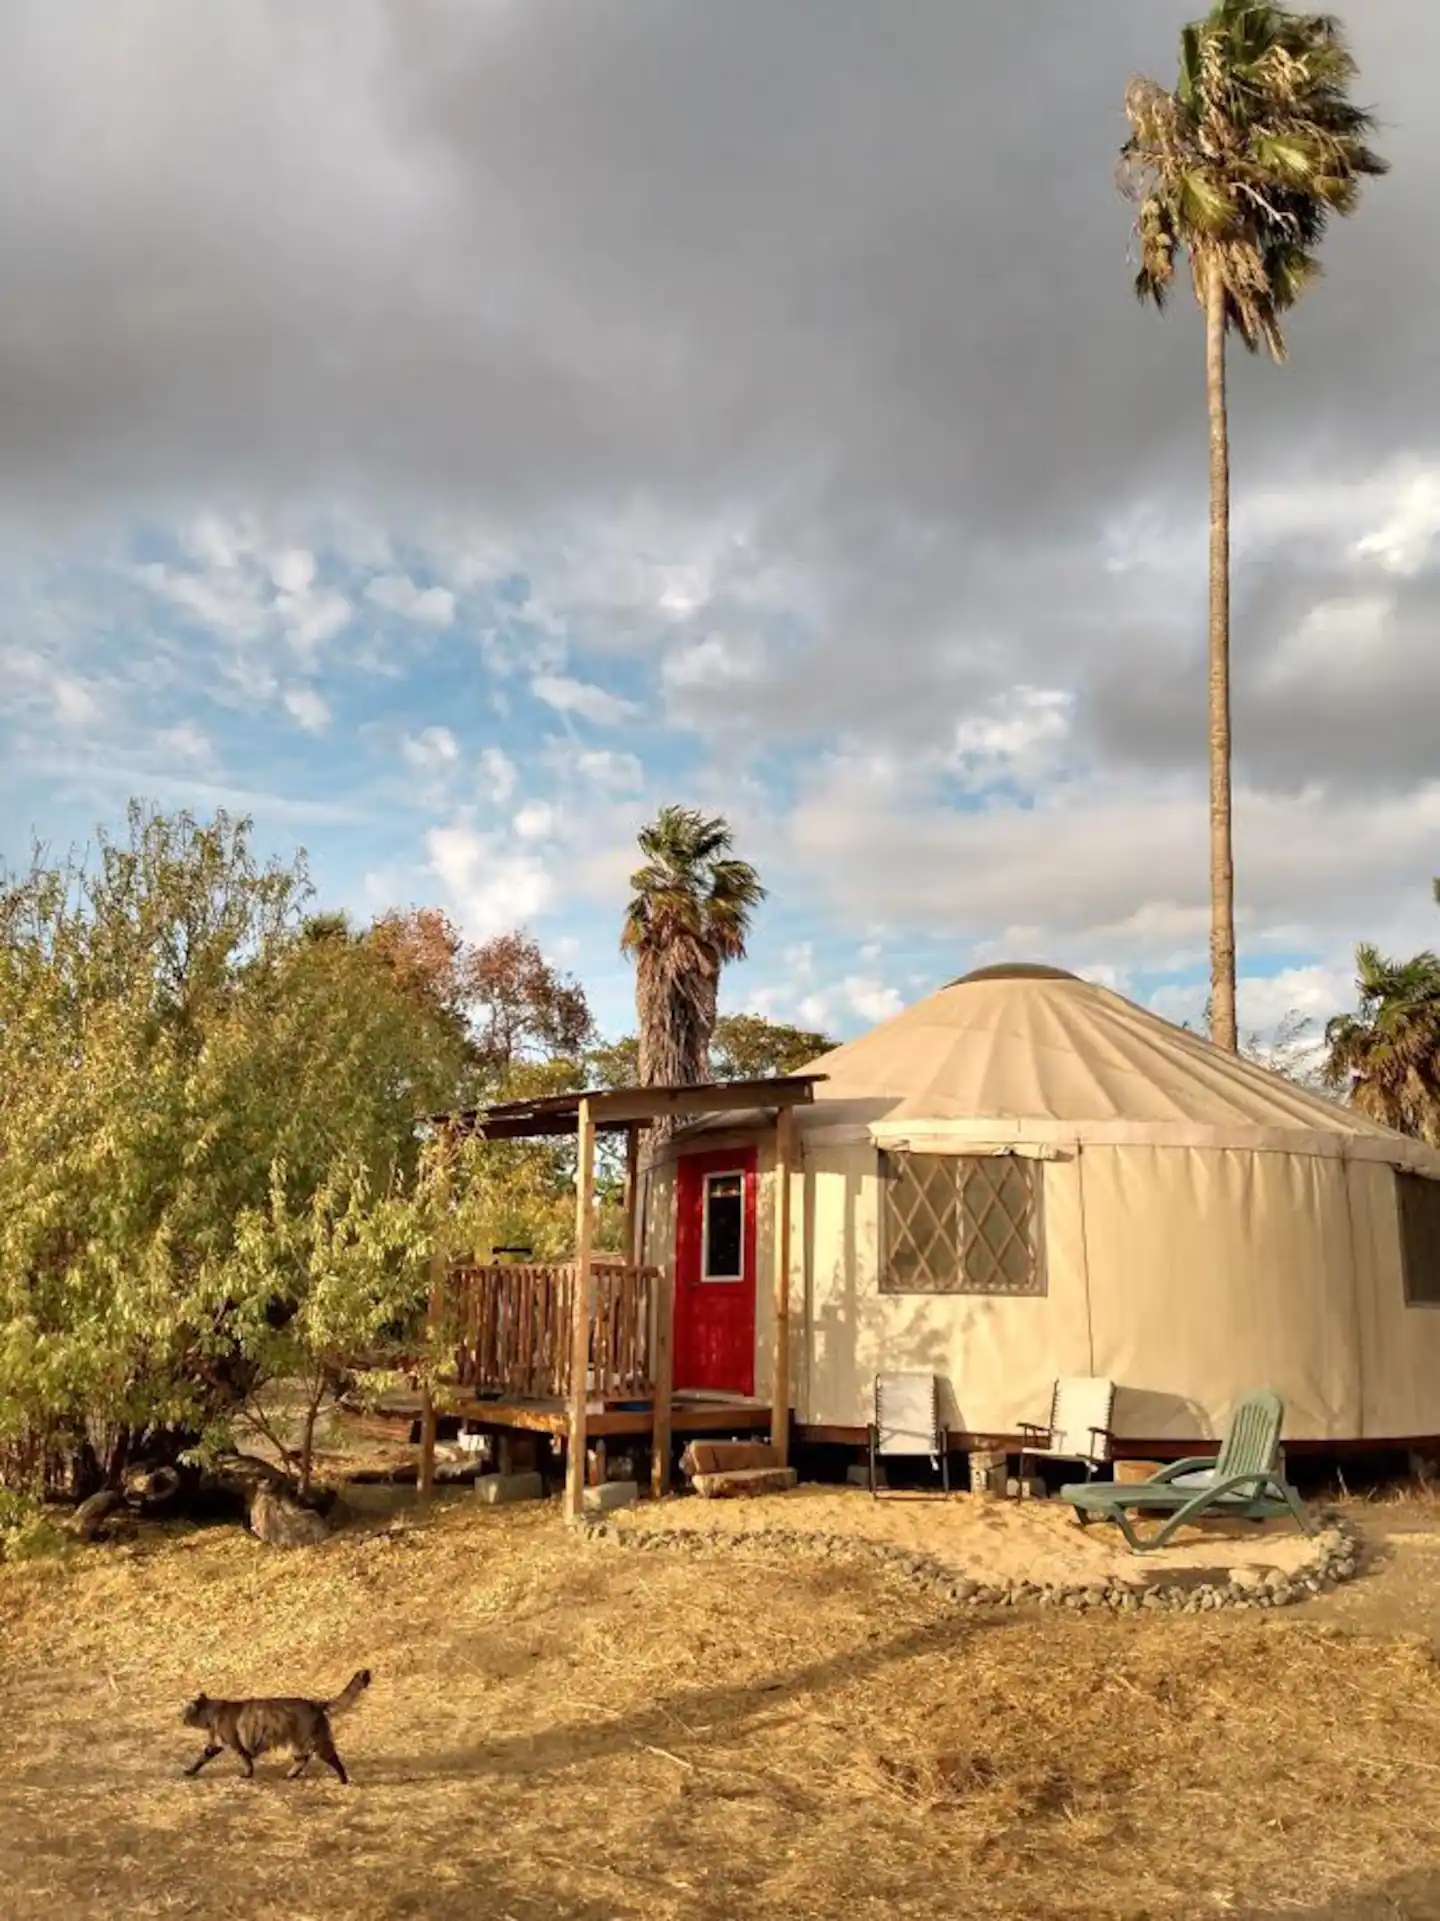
(960, 1224)
(1419, 1199)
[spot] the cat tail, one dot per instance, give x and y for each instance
(350, 1693)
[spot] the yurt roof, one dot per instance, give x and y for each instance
(1028, 1053)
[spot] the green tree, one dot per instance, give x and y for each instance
(743, 1047)
(1386, 1055)
(748, 1047)
(1240, 168)
(689, 916)
(169, 1040)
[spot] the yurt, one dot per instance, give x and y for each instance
(1026, 1176)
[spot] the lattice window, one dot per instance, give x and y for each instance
(1419, 1201)
(960, 1224)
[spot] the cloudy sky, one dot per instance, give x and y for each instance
(446, 429)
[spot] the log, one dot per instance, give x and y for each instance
(91, 1518)
(156, 1489)
(737, 1482)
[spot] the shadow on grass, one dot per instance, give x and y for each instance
(666, 1724)
(1412, 1896)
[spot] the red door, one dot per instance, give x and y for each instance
(715, 1271)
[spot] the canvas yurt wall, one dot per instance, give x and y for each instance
(1026, 1175)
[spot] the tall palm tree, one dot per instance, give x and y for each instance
(1388, 1054)
(1240, 168)
(688, 916)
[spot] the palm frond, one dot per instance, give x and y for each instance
(1244, 163)
(688, 917)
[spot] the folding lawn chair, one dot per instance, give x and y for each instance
(907, 1424)
(1081, 1409)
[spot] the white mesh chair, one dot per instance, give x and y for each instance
(1081, 1409)
(907, 1424)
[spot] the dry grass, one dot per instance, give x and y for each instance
(566, 1730)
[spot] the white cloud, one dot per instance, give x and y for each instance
(307, 708)
(431, 749)
(490, 887)
(536, 820)
(75, 704)
(1271, 1005)
(581, 697)
(1105, 871)
(293, 569)
(718, 661)
(498, 776)
(1314, 993)
(872, 999)
(226, 602)
(1017, 727)
(311, 617)
(244, 588)
(186, 741)
(603, 767)
(426, 606)
(863, 997)
(1338, 644)
(1403, 540)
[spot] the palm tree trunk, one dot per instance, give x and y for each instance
(1223, 1029)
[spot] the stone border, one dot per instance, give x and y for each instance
(1337, 1557)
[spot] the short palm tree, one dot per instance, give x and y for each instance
(688, 916)
(1388, 1054)
(1240, 168)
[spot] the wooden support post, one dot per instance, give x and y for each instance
(780, 1375)
(664, 1367)
(426, 1485)
(632, 1193)
(580, 1317)
(439, 1268)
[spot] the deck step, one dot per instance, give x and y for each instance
(721, 1457)
(736, 1482)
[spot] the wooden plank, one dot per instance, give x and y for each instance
(780, 1378)
(737, 1482)
(664, 1372)
(721, 1457)
(580, 1313)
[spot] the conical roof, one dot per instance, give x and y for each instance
(1034, 1053)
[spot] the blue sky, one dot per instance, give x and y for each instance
(435, 723)
(448, 433)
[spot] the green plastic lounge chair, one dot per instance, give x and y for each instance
(1245, 1482)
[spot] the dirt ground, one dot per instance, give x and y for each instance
(572, 1730)
(991, 1541)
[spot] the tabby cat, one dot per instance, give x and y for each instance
(255, 1726)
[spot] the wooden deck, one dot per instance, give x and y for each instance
(511, 1328)
(689, 1414)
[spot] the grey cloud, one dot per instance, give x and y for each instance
(527, 252)
(856, 274)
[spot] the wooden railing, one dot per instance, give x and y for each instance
(510, 1327)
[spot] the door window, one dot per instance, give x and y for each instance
(723, 1257)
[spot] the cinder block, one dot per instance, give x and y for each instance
(858, 1474)
(496, 1489)
(611, 1494)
